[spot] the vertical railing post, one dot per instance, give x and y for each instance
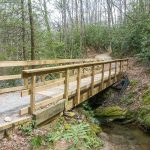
(60, 74)
(43, 76)
(26, 79)
(120, 67)
(110, 67)
(102, 77)
(92, 80)
(78, 86)
(66, 88)
(127, 65)
(32, 96)
(115, 71)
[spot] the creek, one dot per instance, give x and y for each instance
(126, 137)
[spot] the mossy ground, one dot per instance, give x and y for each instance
(146, 96)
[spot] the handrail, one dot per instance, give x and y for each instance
(32, 73)
(40, 71)
(33, 63)
(4, 64)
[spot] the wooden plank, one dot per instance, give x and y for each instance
(110, 69)
(32, 96)
(66, 87)
(120, 67)
(41, 104)
(10, 77)
(47, 113)
(12, 89)
(102, 77)
(26, 79)
(15, 122)
(42, 62)
(127, 65)
(115, 71)
(78, 86)
(92, 79)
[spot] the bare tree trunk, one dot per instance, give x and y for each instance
(46, 18)
(76, 9)
(81, 27)
(109, 13)
(109, 22)
(65, 26)
(32, 30)
(125, 10)
(23, 30)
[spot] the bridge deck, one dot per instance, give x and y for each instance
(64, 93)
(11, 103)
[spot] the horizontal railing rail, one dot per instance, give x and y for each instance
(118, 66)
(5, 65)
(40, 71)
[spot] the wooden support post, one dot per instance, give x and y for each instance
(78, 86)
(66, 88)
(102, 77)
(115, 71)
(127, 65)
(32, 96)
(43, 76)
(120, 71)
(26, 79)
(60, 74)
(73, 71)
(110, 67)
(92, 80)
(122, 66)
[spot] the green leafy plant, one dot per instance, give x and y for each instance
(77, 134)
(36, 141)
(27, 129)
(133, 82)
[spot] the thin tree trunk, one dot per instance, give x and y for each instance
(81, 27)
(65, 26)
(23, 30)
(76, 9)
(32, 30)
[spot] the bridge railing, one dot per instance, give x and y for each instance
(6, 66)
(118, 66)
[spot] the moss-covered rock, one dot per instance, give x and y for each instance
(114, 112)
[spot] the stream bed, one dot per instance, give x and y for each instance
(125, 137)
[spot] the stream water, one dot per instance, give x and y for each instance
(126, 137)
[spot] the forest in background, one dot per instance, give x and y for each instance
(45, 29)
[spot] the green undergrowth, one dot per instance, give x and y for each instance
(28, 128)
(133, 82)
(128, 99)
(146, 96)
(143, 117)
(77, 135)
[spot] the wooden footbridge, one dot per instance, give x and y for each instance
(54, 86)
